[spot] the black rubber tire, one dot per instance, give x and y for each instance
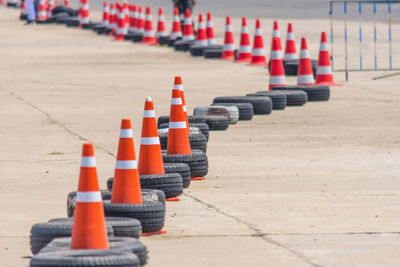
(127, 244)
(126, 227)
(217, 123)
(128, 37)
(279, 100)
(170, 183)
(261, 105)
(197, 162)
(101, 29)
(314, 92)
(63, 9)
(72, 22)
(245, 109)
(54, 18)
(44, 233)
(183, 45)
(147, 195)
(137, 37)
(212, 53)
(191, 119)
(62, 20)
(163, 40)
(88, 26)
(197, 141)
(197, 51)
(181, 168)
(294, 97)
(15, 5)
(203, 127)
(171, 42)
(150, 214)
(85, 257)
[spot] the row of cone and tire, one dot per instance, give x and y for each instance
(128, 22)
(105, 225)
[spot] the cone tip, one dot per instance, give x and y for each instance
(258, 23)
(303, 43)
(148, 99)
(87, 150)
(276, 27)
(126, 124)
(178, 80)
(187, 12)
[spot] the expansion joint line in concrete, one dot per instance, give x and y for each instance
(65, 128)
(257, 231)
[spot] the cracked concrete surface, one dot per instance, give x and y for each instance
(309, 186)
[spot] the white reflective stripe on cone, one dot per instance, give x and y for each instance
(149, 114)
(187, 21)
(211, 41)
(85, 7)
(184, 108)
(126, 165)
(290, 36)
(161, 18)
(176, 101)
(120, 31)
(176, 19)
(258, 52)
(126, 133)
(178, 86)
(228, 28)
(177, 124)
(277, 79)
(229, 47)
(161, 34)
(323, 47)
(276, 34)
(304, 79)
(201, 43)
(277, 54)
(304, 54)
(148, 34)
(148, 17)
(324, 70)
(188, 38)
(201, 25)
(245, 49)
(210, 24)
(88, 162)
(289, 56)
(88, 197)
(150, 141)
(245, 29)
(258, 32)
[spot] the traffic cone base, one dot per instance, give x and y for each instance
(172, 199)
(197, 179)
(162, 232)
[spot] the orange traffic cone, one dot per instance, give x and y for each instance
(276, 71)
(150, 157)
(228, 52)
(50, 6)
(120, 32)
(178, 138)
(85, 13)
(188, 34)
(258, 52)
(160, 25)
(244, 53)
(126, 187)
(42, 13)
(140, 21)
(305, 73)
(23, 10)
(178, 85)
(176, 26)
(89, 228)
(126, 14)
(276, 35)
(132, 18)
(324, 74)
(210, 31)
(201, 38)
(148, 35)
(106, 14)
(113, 19)
(290, 50)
